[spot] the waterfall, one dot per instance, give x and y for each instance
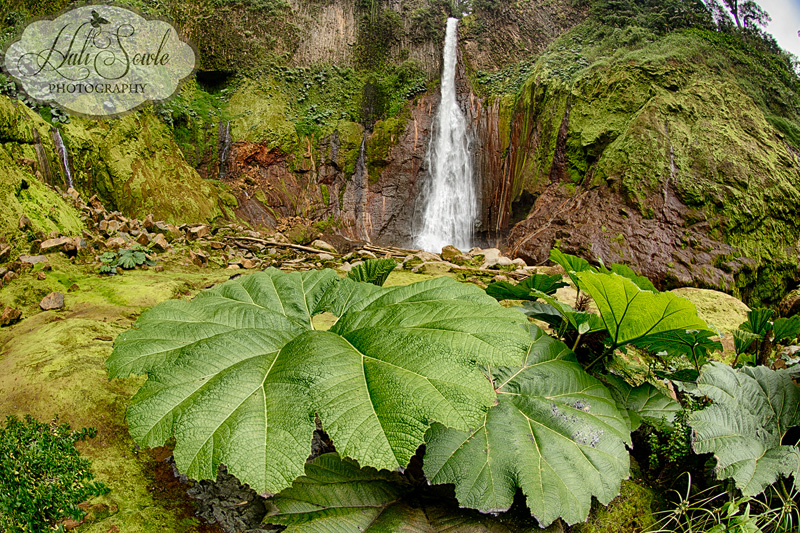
(62, 154)
(223, 146)
(451, 202)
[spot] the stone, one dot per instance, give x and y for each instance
(10, 316)
(322, 245)
(114, 226)
(433, 268)
(450, 252)
(158, 268)
(248, 264)
(59, 244)
(32, 259)
(115, 243)
(233, 267)
(198, 232)
(41, 276)
(503, 261)
(5, 252)
(24, 223)
(52, 302)
(9, 277)
(519, 262)
(159, 243)
(198, 258)
(143, 239)
(148, 223)
(790, 304)
(346, 267)
(302, 234)
(325, 257)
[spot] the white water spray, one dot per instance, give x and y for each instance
(451, 207)
(62, 153)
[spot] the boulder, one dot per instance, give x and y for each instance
(302, 234)
(10, 316)
(198, 258)
(60, 244)
(115, 243)
(790, 305)
(322, 245)
(159, 243)
(53, 301)
(433, 268)
(198, 232)
(449, 253)
(32, 259)
(325, 257)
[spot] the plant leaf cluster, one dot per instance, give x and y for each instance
(238, 376)
(42, 476)
(126, 259)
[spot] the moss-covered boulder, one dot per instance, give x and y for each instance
(631, 511)
(133, 165)
(27, 158)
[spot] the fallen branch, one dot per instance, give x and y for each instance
(278, 244)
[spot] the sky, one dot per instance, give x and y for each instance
(785, 22)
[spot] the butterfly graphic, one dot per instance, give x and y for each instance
(97, 20)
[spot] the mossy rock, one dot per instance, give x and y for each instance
(133, 165)
(719, 310)
(630, 512)
(22, 193)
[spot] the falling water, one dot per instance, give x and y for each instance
(451, 200)
(224, 146)
(62, 153)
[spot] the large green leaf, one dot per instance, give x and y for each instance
(570, 263)
(786, 328)
(238, 374)
(336, 496)
(758, 321)
(752, 410)
(503, 290)
(630, 313)
(627, 272)
(694, 344)
(645, 402)
(556, 433)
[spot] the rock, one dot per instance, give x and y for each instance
(9, 277)
(248, 264)
(53, 301)
(198, 258)
(450, 252)
(519, 262)
(346, 267)
(790, 305)
(158, 268)
(233, 267)
(433, 268)
(143, 239)
(198, 232)
(5, 252)
(159, 243)
(366, 254)
(10, 316)
(32, 259)
(501, 262)
(322, 245)
(24, 223)
(325, 257)
(115, 243)
(41, 276)
(148, 223)
(302, 234)
(59, 244)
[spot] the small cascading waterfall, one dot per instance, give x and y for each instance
(62, 154)
(450, 196)
(224, 146)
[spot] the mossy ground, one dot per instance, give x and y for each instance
(54, 363)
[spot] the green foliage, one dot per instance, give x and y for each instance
(631, 314)
(643, 403)
(670, 441)
(758, 338)
(759, 322)
(336, 495)
(693, 344)
(503, 290)
(571, 264)
(126, 259)
(752, 410)
(238, 374)
(555, 432)
(656, 15)
(42, 476)
(373, 271)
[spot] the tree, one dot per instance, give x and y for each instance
(747, 14)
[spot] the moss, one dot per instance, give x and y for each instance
(54, 362)
(631, 511)
(134, 166)
(385, 135)
(22, 192)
